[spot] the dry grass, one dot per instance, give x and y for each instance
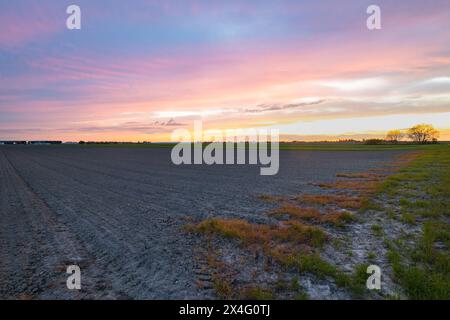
(270, 198)
(221, 274)
(343, 201)
(25, 296)
(337, 218)
(248, 233)
(292, 235)
(370, 182)
(297, 212)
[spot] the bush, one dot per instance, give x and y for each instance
(374, 141)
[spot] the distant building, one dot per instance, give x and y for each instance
(13, 142)
(44, 142)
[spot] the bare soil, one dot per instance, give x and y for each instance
(119, 214)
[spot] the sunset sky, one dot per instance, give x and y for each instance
(139, 69)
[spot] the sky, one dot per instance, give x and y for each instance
(137, 70)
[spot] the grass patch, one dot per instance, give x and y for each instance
(307, 263)
(336, 218)
(223, 287)
(408, 218)
(371, 256)
(248, 233)
(257, 293)
(313, 263)
(270, 198)
(422, 264)
(370, 204)
(343, 201)
(377, 230)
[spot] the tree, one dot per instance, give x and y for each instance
(423, 133)
(394, 136)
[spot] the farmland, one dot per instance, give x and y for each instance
(140, 227)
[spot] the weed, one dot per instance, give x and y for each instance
(377, 230)
(257, 293)
(408, 218)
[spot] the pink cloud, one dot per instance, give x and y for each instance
(25, 22)
(89, 86)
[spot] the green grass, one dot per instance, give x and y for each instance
(313, 263)
(408, 218)
(309, 263)
(423, 268)
(371, 256)
(377, 230)
(257, 293)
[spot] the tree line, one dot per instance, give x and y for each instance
(420, 133)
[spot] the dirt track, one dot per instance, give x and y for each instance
(118, 214)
